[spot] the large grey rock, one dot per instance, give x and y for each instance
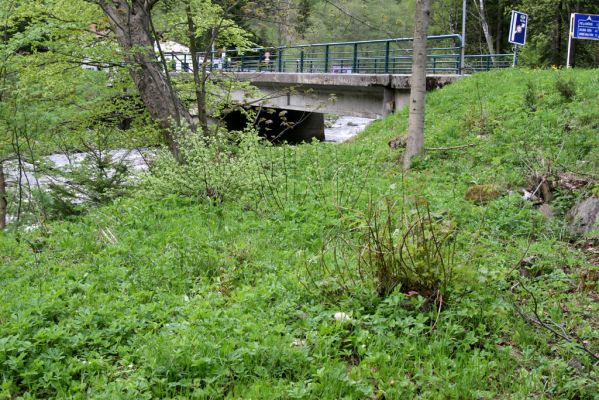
(546, 210)
(584, 217)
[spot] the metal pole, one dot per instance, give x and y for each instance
(463, 52)
(570, 34)
(280, 61)
(213, 39)
(515, 62)
(387, 45)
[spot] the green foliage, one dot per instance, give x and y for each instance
(547, 41)
(207, 15)
(384, 248)
(171, 294)
(216, 167)
(566, 88)
(530, 97)
(97, 180)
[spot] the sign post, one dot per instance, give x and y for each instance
(582, 26)
(517, 35)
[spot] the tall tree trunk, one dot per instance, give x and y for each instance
(498, 26)
(199, 81)
(415, 140)
(3, 197)
(131, 23)
(480, 7)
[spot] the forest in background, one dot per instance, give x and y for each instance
(317, 21)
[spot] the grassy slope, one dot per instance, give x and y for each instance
(183, 298)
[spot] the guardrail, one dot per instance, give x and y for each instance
(486, 62)
(384, 56)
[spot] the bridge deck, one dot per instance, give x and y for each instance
(360, 95)
(392, 81)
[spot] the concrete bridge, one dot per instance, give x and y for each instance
(359, 95)
(364, 78)
(308, 96)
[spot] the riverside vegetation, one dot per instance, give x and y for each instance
(322, 271)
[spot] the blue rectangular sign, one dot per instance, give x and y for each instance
(585, 26)
(518, 28)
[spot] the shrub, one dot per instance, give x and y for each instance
(530, 97)
(566, 88)
(216, 167)
(384, 248)
(98, 179)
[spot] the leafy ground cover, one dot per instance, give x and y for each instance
(228, 285)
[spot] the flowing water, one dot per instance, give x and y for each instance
(345, 128)
(341, 130)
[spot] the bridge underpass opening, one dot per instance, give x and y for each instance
(279, 125)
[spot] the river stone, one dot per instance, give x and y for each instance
(480, 194)
(546, 210)
(584, 217)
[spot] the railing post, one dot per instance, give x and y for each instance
(326, 58)
(457, 66)
(488, 63)
(387, 51)
(280, 60)
(355, 63)
(462, 56)
(302, 61)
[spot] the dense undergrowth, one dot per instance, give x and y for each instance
(236, 281)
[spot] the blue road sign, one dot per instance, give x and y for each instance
(518, 28)
(585, 26)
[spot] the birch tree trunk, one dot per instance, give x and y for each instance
(480, 7)
(199, 71)
(3, 197)
(415, 140)
(130, 21)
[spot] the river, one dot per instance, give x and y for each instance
(340, 130)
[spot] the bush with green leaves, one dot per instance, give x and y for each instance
(384, 247)
(99, 179)
(565, 87)
(218, 167)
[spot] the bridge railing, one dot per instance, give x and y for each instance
(369, 57)
(360, 57)
(486, 62)
(384, 56)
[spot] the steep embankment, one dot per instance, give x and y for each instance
(261, 280)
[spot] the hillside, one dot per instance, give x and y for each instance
(322, 271)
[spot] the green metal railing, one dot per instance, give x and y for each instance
(384, 56)
(486, 62)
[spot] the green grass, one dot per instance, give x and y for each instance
(173, 296)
